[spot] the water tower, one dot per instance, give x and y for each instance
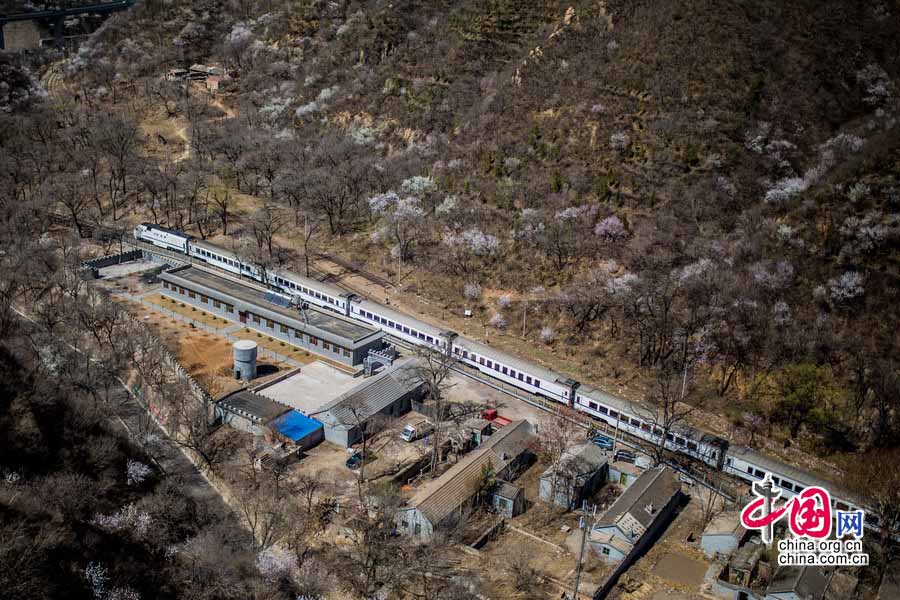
(245, 360)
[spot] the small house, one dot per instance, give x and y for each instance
(248, 412)
(723, 534)
(508, 500)
(302, 431)
(642, 510)
(580, 472)
(799, 583)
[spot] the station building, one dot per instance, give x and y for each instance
(255, 307)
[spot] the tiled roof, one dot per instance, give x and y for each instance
(440, 497)
(583, 459)
(258, 409)
(808, 583)
(372, 395)
(655, 488)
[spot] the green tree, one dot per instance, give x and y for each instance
(797, 392)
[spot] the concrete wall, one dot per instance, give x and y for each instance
(237, 421)
(413, 517)
(21, 35)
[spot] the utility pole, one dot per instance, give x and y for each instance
(524, 312)
(583, 525)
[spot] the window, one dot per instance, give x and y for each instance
(785, 484)
(284, 329)
(604, 410)
(680, 441)
(521, 377)
(503, 369)
(204, 299)
(670, 437)
(166, 284)
(635, 422)
(182, 290)
(750, 470)
(192, 294)
(229, 308)
(527, 379)
(481, 360)
(298, 334)
(347, 353)
(646, 427)
(692, 446)
(537, 383)
(256, 319)
(406, 330)
(604, 551)
(217, 304)
(404, 524)
(592, 405)
(313, 341)
(326, 346)
(418, 529)
(270, 323)
(613, 413)
(490, 365)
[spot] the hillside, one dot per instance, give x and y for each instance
(666, 187)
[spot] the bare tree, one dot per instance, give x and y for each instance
(668, 409)
(433, 368)
(555, 440)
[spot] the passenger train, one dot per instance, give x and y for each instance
(625, 416)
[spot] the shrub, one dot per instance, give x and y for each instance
(498, 322)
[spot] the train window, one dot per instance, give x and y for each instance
(512, 373)
(481, 360)
(750, 470)
(692, 446)
(528, 379)
(758, 473)
(776, 480)
(430, 339)
(787, 485)
(466, 354)
(537, 383)
(603, 410)
(521, 377)
(871, 519)
(406, 330)
(497, 367)
(503, 370)
(842, 506)
(326, 346)
(670, 437)
(421, 335)
(635, 422)
(680, 441)
(646, 427)
(592, 405)
(613, 413)
(313, 341)
(490, 365)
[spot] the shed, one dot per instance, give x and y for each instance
(743, 565)
(299, 429)
(723, 535)
(508, 500)
(247, 411)
(624, 473)
(581, 471)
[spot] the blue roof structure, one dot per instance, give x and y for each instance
(295, 426)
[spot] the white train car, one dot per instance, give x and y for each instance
(509, 369)
(400, 325)
(312, 291)
(641, 422)
(224, 259)
(749, 465)
(162, 237)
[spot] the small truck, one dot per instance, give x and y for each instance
(416, 430)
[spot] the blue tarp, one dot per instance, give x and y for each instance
(295, 426)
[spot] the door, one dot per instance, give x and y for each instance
(242, 316)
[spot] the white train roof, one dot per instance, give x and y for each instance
(509, 360)
(399, 317)
(780, 468)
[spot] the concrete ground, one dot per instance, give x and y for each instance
(127, 268)
(314, 386)
(466, 390)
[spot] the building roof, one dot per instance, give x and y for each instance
(372, 395)
(322, 324)
(440, 497)
(607, 539)
(583, 459)
(258, 409)
(808, 583)
(726, 523)
(653, 489)
(507, 490)
(294, 425)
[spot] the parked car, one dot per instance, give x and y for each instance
(625, 456)
(356, 460)
(601, 441)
